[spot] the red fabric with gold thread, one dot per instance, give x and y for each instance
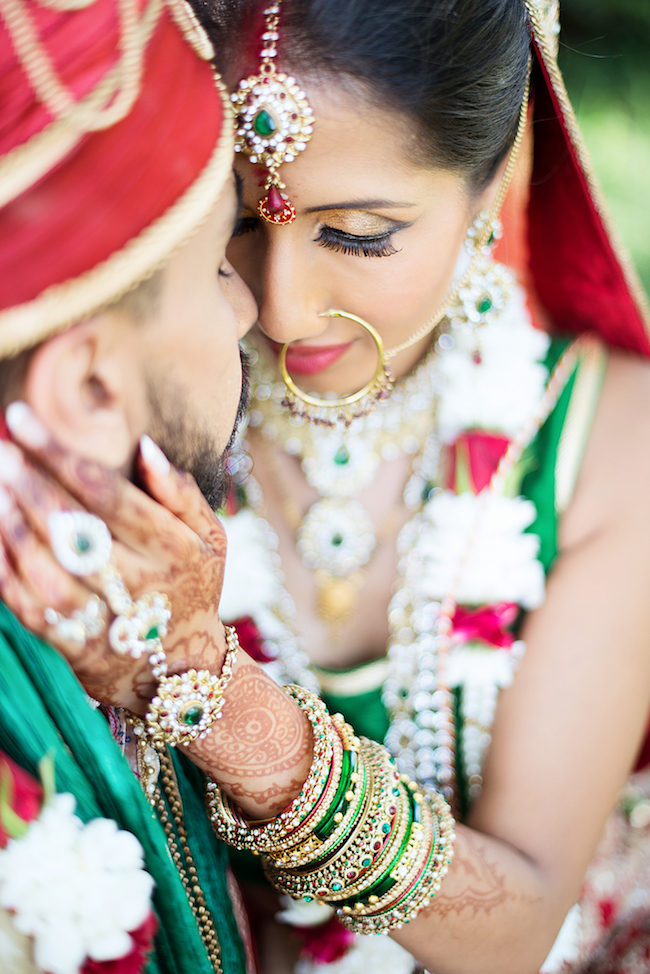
(575, 271)
(116, 182)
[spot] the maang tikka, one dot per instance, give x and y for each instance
(274, 121)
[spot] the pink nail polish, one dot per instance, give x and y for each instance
(10, 466)
(154, 456)
(25, 426)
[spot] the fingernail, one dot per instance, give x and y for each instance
(25, 426)
(10, 466)
(153, 456)
(6, 503)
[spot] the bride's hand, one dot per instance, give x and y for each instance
(169, 542)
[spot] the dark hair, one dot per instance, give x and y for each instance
(457, 68)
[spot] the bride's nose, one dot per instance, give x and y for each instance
(291, 295)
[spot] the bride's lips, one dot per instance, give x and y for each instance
(311, 359)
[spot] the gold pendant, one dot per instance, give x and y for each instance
(337, 597)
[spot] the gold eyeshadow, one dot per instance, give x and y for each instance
(357, 222)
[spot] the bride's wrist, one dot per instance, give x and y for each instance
(188, 701)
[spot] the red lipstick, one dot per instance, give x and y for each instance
(311, 359)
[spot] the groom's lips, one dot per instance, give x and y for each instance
(311, 359)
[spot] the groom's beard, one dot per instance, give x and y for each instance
(183, 440)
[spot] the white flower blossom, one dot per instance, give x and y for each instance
(300, 913)
(502, 391)
(250, 582)
(379, 955)
(484, 536)
(75, 889)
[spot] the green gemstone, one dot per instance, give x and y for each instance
(192, 715)
(366, 862)
(426, 490)
(337, 540)
(484, 304)
(82, 543)
(342, 456)
(153, 633)
(264, 124)
(385, 828)
(336, 887)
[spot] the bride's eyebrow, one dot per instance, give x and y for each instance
(378, 204)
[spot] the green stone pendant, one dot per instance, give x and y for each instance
(192, 714)
(342, 456)
(484, 304)
(264, 124)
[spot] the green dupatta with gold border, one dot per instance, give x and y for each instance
(43, 710)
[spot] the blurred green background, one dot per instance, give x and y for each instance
(605, 58)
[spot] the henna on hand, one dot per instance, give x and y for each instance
(260, 750)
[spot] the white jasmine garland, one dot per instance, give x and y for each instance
(501, 391)
(303, 913)
(253, 586)
(475, 548)
(250, 582)
(478, 665)
(77, 889)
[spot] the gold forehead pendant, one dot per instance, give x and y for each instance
(274, 122)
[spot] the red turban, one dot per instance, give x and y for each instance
(91, 205)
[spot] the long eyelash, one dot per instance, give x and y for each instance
(348, 243)
(245, 224)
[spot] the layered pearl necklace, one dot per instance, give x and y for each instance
(336, 538)
(467, 564)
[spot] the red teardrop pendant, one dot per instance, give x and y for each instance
(274, 208)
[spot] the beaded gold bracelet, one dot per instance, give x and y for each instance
(186, 705)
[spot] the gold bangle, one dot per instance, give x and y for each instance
(260, 837)
(403, 905)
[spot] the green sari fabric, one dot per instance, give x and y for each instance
(44, 711)
(366, 711)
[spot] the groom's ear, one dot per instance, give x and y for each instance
(88, 386)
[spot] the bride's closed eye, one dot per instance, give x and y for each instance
(351, 244)
(380, 245)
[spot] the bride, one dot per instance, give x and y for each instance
(439, 518)
(455, 562)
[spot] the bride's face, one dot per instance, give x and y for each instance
(377, 235)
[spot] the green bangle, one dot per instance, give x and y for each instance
(385, 881)
(342, 798)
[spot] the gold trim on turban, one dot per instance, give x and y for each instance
(61, 305)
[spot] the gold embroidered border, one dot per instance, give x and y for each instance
(586, 164)
(61, 305)
(362, 679)
(25, 164)
(578, 421)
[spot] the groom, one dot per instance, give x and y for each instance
(119, 316)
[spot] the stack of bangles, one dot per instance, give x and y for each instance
(359, 836)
